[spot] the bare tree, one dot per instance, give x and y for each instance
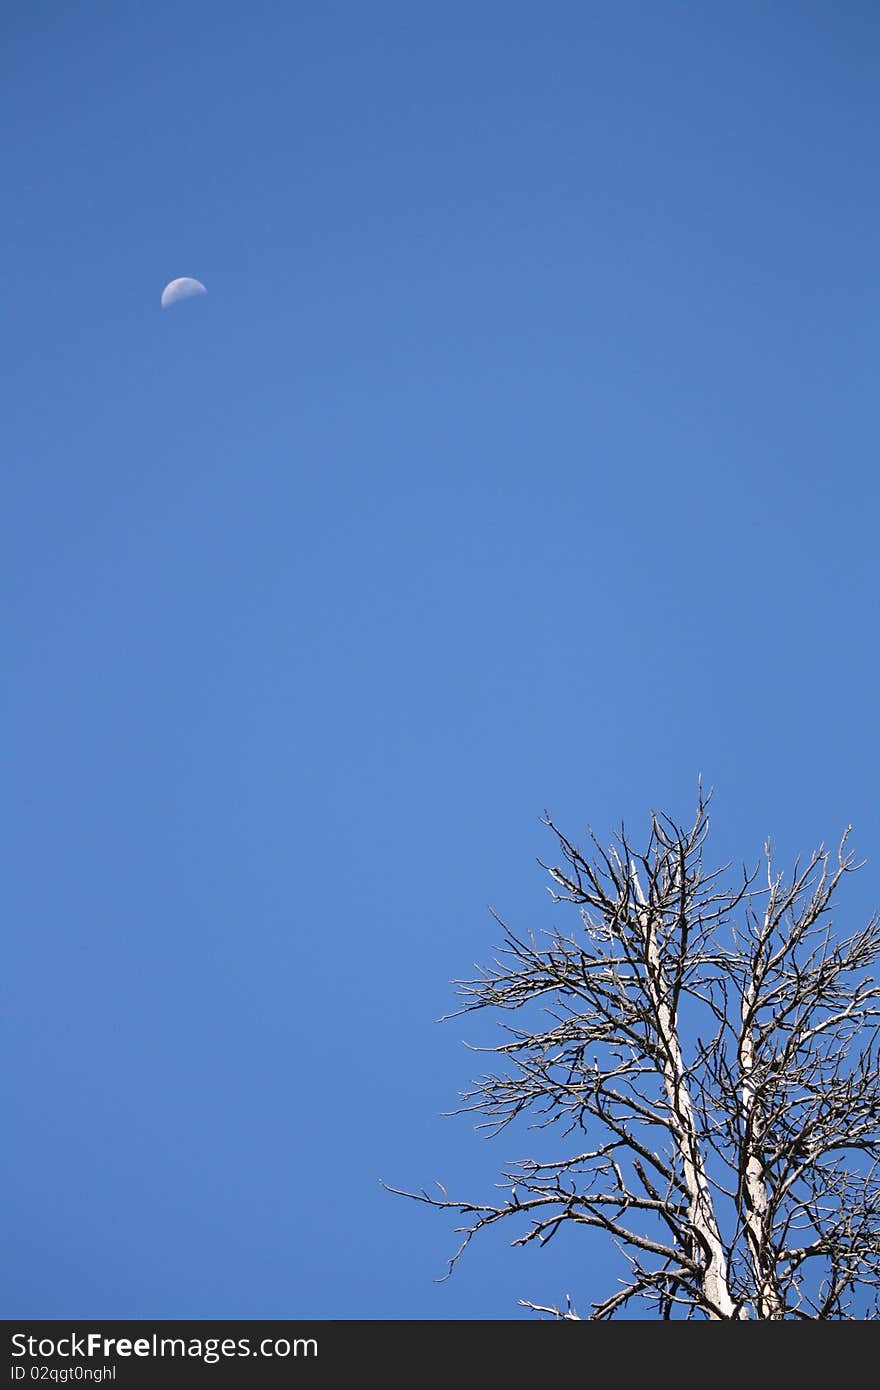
(708, 1057)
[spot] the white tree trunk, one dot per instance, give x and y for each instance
(754, 1188)
(702, 1207)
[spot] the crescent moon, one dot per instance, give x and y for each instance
(183, 288)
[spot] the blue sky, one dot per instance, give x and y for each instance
(521, 455)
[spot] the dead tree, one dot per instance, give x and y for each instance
(707, 1058)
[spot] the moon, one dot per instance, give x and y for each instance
(183, 288)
